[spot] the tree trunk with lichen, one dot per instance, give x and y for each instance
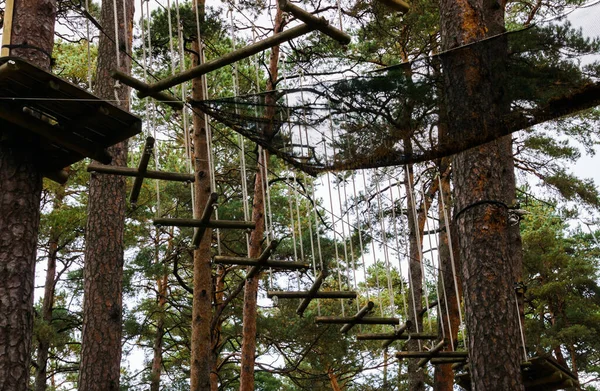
(20, 193)
(256, 238)
(100, 367)
(484, 185)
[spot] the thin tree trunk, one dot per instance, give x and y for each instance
(216, 346)
(257, 236)
(202, 358)
(20, 192)
(103, 269)
(333, 380)
(48, 301)
(157, 347)
(484, 185)
(448, 305)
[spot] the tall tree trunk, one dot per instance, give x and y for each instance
(20, 192)
(103, 269)
(484, 184)
(48, 301)
(448, 303)
(202, 359)
(257, 236)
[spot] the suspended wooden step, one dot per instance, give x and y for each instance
(60, 122)
(395, 336)
(433, 304)
(365, 320)
(364, 311)
(443, 354)
(312, 293)
(539, 374)
(204, 222)
(311, 23)
(432, 353)
(261, 262)
(141, 172)
(448, 360)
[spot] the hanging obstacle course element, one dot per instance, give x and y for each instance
(539, 374)
(312, 23)
(364, 311)
(396, 5)
(141, 172)
(315, 22)
(312, 293)
(59, 121)
(204, 222)
(261, 262)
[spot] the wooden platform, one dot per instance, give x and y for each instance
(61, 122)
(539, 374)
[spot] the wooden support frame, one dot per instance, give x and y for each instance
(260, 262)
(320, 24)
(312, 292)
(366, 320)
(144, 90)
(395, 337)
(318, 295)
(455, 354)
(133, 172)
(364, 311)
(193, 223)
(262, 259)
(433, 304)
(433, 352)
(447, 360)
(142, 169)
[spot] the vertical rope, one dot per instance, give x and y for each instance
(374, 257)
(397, 236)
(360, 240)
(385, 248)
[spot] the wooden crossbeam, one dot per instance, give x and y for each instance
(133, 172)
(366, 320)
(262, 259)
(209, 66)
(364, 311)
(395, 336)
(447, 360)
(396, 5)
(144, 89)
(312, 292)
(320, 24)
(241, 261)
(318, 295)
(193, 223)
(433, 352)
(429, 355)
(142, 169)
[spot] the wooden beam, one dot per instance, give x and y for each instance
(133, 172)
(396, 5)
(364, 311)
(205, 218)
(425, 309)
(142, 169)
(320, 24)
(223, 260)
(397, 333)
(262, 259)
(192, 223)
(24, 119)
(144, 89)
(433, 351)
(209, 66)
(7, 20)
(59, 176)
(427, 354)
(367, 320)
(395, 336)
(447, 360)
(312, 292)
(318, 295)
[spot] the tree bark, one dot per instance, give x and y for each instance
(484, 185)
(103, 269)
(257, 236)
(48, 301)
(157, 347)
(202, 359)
(20, 192)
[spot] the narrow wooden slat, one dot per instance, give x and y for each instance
(367, 320)
(221, 260)
(433, 353)
(133, 172)
(311, 292)
(427, 354)
(262, 259)
(193, 223)
(318, 295)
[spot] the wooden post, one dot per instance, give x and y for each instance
(142, 169)
(359, 315)
(143, 88)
